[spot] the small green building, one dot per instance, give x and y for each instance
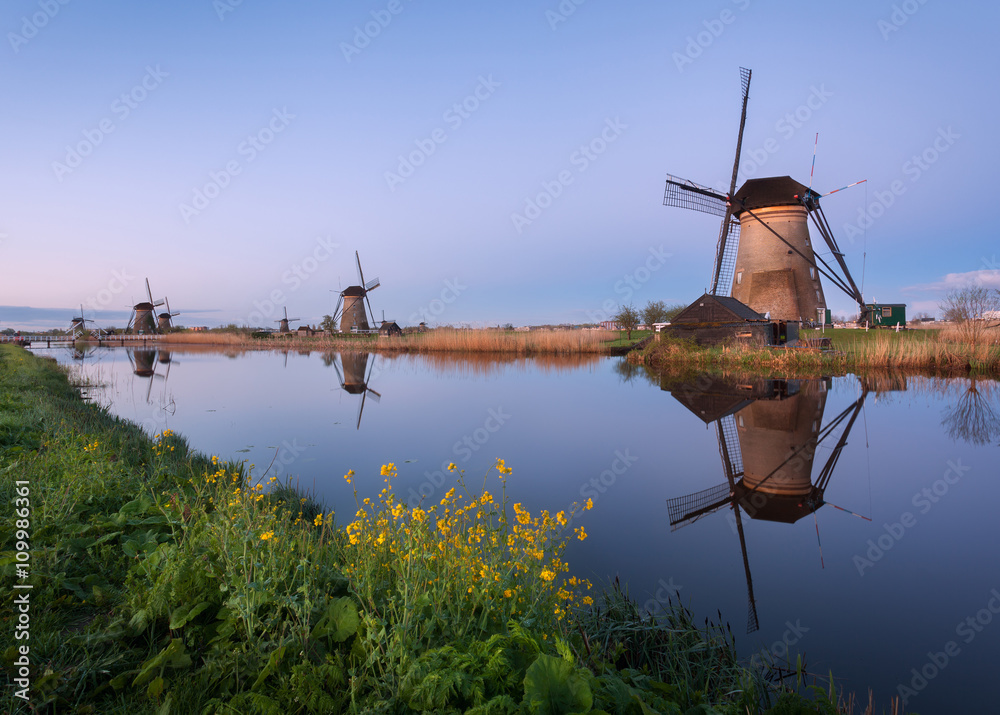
(887, 315)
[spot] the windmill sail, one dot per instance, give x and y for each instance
(686, 194)
(729, 233)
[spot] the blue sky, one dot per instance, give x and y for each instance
(238, 154)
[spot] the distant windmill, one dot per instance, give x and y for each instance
(78, 324)
(768, 437)
(351, 303)
(354, 381)
(764, 257)
(143, 318)
(283, 322)
(164, 321)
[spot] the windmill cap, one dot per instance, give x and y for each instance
(770, 191)
(353, 291)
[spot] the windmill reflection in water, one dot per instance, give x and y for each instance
(357, 371)
(769, 431)
(144, 361)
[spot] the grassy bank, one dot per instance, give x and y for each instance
(166, 581)
(850, 351)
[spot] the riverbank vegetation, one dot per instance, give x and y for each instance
(439, 340)
(940, 352)
(166, 581)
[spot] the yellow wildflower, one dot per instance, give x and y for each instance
(267, 535)
(581, 534)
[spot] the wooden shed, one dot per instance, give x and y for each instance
(390, 328)
(715, 319)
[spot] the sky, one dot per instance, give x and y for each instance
(489, 162)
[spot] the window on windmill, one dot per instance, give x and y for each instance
(818, 296)
(740, 418)
(739, 277)
(812, 273)
(886, 312)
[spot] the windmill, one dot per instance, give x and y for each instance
(283, 322)
(768, 433)
(164, 321)
(78, 324)
(354, 381)
(764, 257)
(351, 303)
(143, 318)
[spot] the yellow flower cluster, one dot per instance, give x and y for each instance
(467, 542)
(92, 447)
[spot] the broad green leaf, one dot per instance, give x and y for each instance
(552, 686)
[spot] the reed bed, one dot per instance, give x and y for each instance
(535, 342)
(879, 351)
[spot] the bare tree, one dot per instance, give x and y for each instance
(974, 309)
(627, 318)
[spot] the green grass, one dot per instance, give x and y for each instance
(167, 581)
(623, 341)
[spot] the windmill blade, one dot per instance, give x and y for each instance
(689, 195)
(372, 324)
(377, 396)
(688, 509)
(285, 308)
(340, 376)
(725, 249)
(361, 275)
(336, 311)
(361, 408)
(372, 284)
(149, 293)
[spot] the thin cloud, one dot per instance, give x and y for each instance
(988, 278)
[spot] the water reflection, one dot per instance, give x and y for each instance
(768, 431)
(354, 377)
(144, 361)
(973, 418)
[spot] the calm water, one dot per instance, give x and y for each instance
(719, 492)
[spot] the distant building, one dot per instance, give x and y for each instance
(610, 325)
(887, 315)
(389, 328)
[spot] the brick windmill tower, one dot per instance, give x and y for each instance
(350, 310)
(764, 256)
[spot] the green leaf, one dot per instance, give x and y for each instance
(340, 622)
(183, 615)
(552, 686)
(155, 687)
(272, 664)
(173, 656)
